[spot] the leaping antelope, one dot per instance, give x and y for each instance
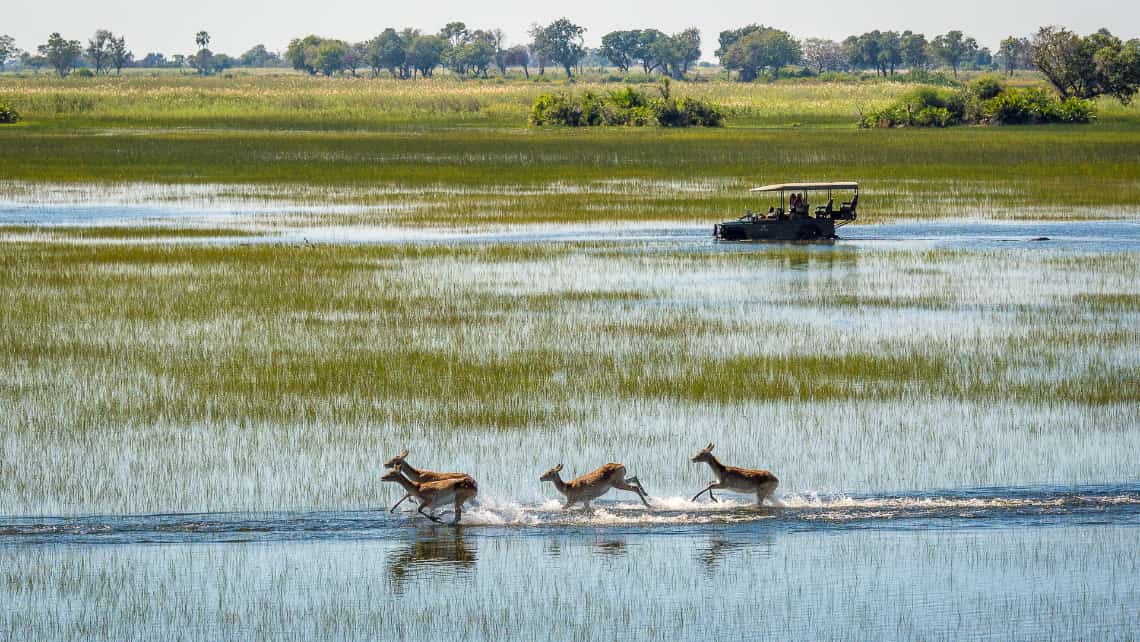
(437, 493)
(743, 480)
(593, 485)
(399, 462)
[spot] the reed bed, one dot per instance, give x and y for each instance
(460, 152)
(272, 377)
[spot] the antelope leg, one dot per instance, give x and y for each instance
(635, 480)
(427, 515)
(406, 495)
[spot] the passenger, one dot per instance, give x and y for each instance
(771, 212)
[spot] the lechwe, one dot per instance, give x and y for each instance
(437, 493)
(743, 480)
(593, 485)
(400, 463)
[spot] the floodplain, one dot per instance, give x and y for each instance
(223, 311)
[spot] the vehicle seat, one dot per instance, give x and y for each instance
(848, 209)
(826, 209)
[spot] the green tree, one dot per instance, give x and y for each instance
(1014, 53)
(33, 62)
(914, 50)
(121, 56)
(302, 53)
(99, 50)
(983, 58)
(823, 55)
(498, 39)
(953, 47)
(331, 56)
(153, 60)
(562, 44)
(60, 53)
(8, 50)
(221, 62)
(518, 56)
(425, 54)
(478, 54)
(758, 49)
(619, 47)
(203, 61)
(1088, 67)
(538, 47)
(259, 56)
(878, 50)
(646, 49)
(387, 51)
(675, 53)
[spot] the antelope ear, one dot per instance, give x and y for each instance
(404, 453)
(558, 468)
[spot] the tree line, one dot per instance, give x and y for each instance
(1079, 66)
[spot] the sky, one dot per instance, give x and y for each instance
(236, 25)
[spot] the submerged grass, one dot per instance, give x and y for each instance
(461, 153)
(341, 351)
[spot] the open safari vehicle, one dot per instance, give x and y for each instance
(805, 212)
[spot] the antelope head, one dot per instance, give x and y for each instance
(703, 455)
(392, 475)
(398, 460)
(551, 474)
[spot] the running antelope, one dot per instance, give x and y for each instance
(400, 463)
(437, 493)
(743, 480)
(593, 485)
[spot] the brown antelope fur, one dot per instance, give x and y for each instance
(400, 463)
(593, 485)
(437, 493)
(743, 480)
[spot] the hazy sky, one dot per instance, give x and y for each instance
(235, 25)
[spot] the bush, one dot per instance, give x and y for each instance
(8, 114)
(84, 72)
(627, 106)
(985, 101)
(986, 87)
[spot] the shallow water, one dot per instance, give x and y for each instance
(1011, 563)
(849, 561)
(254, 215)
(1014, 507)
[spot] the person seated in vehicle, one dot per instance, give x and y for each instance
(771, 212)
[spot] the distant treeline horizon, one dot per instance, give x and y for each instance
(748, 53)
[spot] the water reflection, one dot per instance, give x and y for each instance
(718, 550)
(610, 547)
(444, 553)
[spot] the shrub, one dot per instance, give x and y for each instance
(626, 106)
(984, 101)
(84, 72)
(986, 87)
(1075, 110)
(8, 114)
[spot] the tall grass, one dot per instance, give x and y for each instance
(292, 134)
(295, 370)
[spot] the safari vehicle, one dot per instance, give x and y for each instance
(794, 219)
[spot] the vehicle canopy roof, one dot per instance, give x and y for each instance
(807, 187)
